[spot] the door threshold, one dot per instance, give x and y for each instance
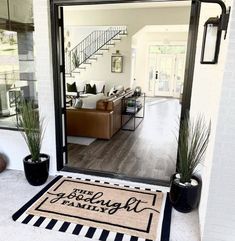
(121, 177)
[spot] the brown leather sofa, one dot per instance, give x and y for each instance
(102, 122)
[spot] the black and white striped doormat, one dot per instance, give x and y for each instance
(95, 233)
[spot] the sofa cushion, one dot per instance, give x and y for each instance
(91, 89)
(71, 87)
(89, 102)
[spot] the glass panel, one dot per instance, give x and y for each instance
(17, 74)
(166, 69)
(210, 44)
(179, 74)
(164, 72)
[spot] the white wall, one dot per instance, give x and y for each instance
(100, 70)
(44, 76)
(134, 19)
(78, 33)
(207, 95)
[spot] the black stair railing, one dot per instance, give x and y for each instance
(89, 46)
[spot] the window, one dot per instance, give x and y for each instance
(17, 74)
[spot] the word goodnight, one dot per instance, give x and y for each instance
(95, 201)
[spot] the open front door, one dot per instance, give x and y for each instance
(57, 22)
(59, 84)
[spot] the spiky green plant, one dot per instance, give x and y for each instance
(193, 141)
(33, 130)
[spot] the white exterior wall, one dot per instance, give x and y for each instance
(213, 95)
(44, 75)
(11, 142)
(206, 90)
(219, 219)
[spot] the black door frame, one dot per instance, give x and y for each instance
(59, 77)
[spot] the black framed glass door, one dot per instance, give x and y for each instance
(60, 88)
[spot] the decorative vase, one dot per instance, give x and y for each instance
(185, 198)
(3, 164)
(36, 173)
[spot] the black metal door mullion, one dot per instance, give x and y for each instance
(63, 83)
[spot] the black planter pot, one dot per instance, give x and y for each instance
(185, 198)
(36, 173)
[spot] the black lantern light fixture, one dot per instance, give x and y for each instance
(213, 28)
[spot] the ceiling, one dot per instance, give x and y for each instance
(181, 3)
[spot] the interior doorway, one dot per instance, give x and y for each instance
(61, 101)
(166, 69)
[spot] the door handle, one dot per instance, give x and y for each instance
(156, 75)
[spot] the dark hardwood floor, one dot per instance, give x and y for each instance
(148, 152)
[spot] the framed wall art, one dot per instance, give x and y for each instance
(117, 63)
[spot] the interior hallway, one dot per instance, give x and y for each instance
(148, 152)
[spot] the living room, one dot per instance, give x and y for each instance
(148, 56)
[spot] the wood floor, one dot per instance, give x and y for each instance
(148, 152)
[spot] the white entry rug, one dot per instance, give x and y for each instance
(85, 141)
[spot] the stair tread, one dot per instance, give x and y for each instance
(116, 35)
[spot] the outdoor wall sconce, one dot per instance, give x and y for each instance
(213, 28)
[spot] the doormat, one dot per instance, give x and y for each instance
(100, 211)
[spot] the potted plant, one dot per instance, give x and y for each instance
(36, 165)
(185, 188)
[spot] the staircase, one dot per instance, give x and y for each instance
(94, 45)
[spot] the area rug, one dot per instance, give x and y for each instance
(85, 141)
(101, 211)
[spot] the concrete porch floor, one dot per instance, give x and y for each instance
(15, 192)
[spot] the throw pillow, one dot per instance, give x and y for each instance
(111, 92)
(90, 101)
(77, 103)
(119, 88)
(100, 85)
(71, 87)
(91, 90)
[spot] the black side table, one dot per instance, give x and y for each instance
(133, 109)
